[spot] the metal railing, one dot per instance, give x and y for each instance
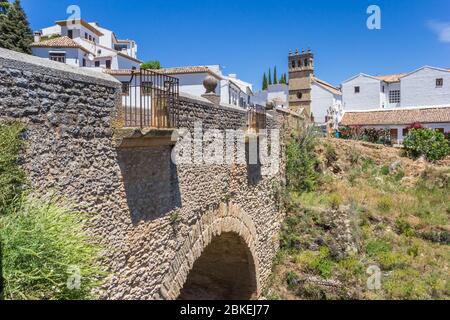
(150, 100)
(256, 119)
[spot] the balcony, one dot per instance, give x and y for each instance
(150, 109)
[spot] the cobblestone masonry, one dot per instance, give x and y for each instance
(153, 218)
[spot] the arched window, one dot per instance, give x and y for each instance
(306, 62)
(293, 63)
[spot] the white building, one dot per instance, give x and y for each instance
(396, 101)
(230, 90)
(276, 95)
(326, 100)
(425, 87)
(82, 44)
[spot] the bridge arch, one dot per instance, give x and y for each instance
(218, 259)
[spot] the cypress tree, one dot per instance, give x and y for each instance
(265, 83)
(15, 31)
(270, 76)
(275, 80)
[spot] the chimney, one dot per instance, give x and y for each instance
(37, 36)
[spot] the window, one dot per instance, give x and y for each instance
(70, 34)
(108, 64)
(58, 57)
(125, 88)
(86, 35)
(439, 83)
(405, 132)
(147, 88)
(383, 89)
(90, 38)
(441, 130)
(299, 64)
(93, 39)
(84, 62)
(357, 89)
(306, 62)
(394, 96)
(97, 64)
(299, 95)
(293, 64)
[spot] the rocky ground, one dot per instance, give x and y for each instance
(377, 227)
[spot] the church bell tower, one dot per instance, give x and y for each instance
(301, 73)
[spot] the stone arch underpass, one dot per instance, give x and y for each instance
(218, 260)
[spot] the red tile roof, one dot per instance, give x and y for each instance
(327, 86)
(59, 42)
(400, 117)
(170, 71)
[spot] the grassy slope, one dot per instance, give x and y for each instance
(396, 219)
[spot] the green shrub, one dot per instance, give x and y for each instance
(376, 247)
(403, 227)
(44, 247)
(334, 200)
(302, 162)
(152, 65)
(385, 204)
(12, 177)
(426, 142)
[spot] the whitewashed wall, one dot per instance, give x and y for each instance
(322, 101)
(369, 96)
(74, 56)
(419, 88)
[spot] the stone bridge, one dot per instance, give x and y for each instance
(169, 231)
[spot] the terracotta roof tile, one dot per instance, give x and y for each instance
(327, 86)
(170, 71)
(400, 117)
(59, 42)
(391, 77)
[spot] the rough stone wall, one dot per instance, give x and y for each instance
(153, 218)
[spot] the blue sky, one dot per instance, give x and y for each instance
(249, 36)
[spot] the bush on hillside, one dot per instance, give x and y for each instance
(426, 142)
(47, 254)
(302, 162)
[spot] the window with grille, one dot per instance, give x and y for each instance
(394, 96)
(357, 89)
(58, 57)
(439, 83)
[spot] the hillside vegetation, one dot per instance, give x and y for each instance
(374, 225)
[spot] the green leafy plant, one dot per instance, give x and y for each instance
(46, 250)
(302, 162)
(426, 142)
(151, 65)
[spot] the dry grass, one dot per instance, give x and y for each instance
(400, 218)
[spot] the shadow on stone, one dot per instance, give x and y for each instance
(225, 271)
(151, 182)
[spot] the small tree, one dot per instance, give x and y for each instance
(265, 83)
(275, 80)
(426, 142)
(270, 76)
(15, 31)
(152, 65)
